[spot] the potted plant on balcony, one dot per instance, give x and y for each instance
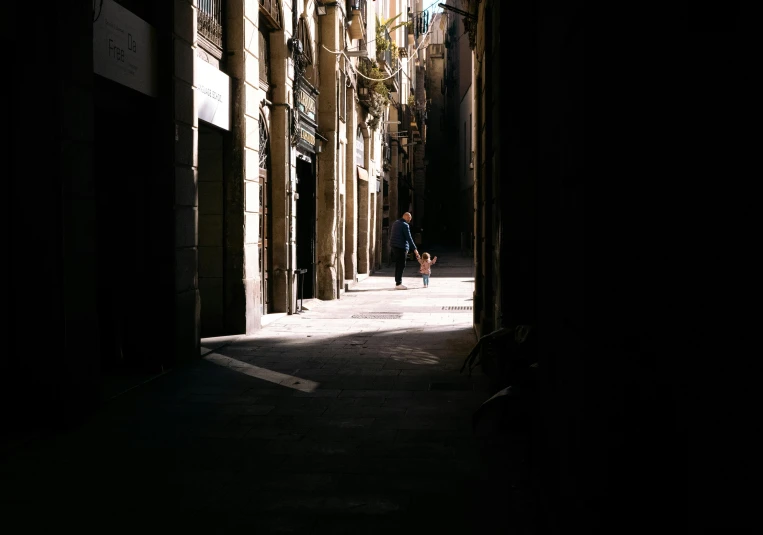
(394, 53)
(376, 92)
(383, 40)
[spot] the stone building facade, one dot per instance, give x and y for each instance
(211, 162)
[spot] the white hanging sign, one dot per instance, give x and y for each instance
(212, 94)
(124, 48)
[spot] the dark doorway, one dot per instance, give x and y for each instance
(211, 242)
(306, 226)
(129, 227)
(403, 198)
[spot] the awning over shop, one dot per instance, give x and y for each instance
(362, 174)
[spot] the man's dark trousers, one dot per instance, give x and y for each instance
(400, 256)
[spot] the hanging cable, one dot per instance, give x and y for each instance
(347, 58)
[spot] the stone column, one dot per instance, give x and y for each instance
(364, 207)
(282, 168)
(328, 176)
(392, 193)
(417, 155)
(372, 224)
(241, 174)
(373, 221)
(279, 206)
(185, 165)
(378, 224)
(246, 126)
(342, 204)
(351, 250)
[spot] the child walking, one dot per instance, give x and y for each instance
(426, 266)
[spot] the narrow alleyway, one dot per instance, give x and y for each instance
(351, 417)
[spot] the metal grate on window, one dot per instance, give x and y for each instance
(263, 144)
(271, 9)
(210, 21)
(264, 58)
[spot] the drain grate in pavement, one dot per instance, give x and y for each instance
(450, 386)
(457, 308)
(378, 316)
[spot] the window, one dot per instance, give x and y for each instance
(270, 10)
(360, 148)
(210, 26)
(264, 62)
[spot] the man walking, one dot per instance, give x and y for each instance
(401, 241)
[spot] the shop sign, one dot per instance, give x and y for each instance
(212, 94)
(306, 104)
(360, 149)
(124, 48)
(307, 136)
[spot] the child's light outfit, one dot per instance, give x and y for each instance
(426, 269)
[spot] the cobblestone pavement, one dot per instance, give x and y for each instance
(350, 417)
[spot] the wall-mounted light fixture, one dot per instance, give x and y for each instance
(320, 9)
(319, 141)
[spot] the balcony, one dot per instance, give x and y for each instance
(210, 26)
(389, 65)
(367, 68)
(360, 6)
(357, 15)
(271, 11)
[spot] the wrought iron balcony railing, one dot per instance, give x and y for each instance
(272, 11)
(358, 5)
(210, 21)
(388, 64)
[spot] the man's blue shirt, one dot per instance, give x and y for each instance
(400, 235)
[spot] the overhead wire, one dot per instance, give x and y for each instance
(413, 55)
